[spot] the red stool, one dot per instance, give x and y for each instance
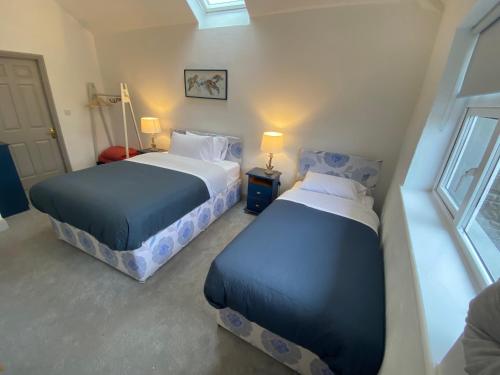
(115, 153)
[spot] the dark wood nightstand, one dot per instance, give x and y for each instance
(262, 190)
(147, 150)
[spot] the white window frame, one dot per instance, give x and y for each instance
(229, 6)
(460, 217)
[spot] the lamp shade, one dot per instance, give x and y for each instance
(272, 142)
(150, 125)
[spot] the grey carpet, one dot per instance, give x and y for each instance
(64, 312)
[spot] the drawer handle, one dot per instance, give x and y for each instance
(258, 193)
(257, 205)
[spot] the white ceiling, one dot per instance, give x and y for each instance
(263, 7)
(102, 16)
(105, 16)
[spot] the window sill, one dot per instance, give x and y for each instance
(443, 282)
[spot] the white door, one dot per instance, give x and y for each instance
(25, 122)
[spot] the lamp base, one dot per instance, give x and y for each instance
(269, 166)
(153, 144)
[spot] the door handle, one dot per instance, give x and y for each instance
(53, 133)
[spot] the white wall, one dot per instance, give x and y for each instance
(42, 27)
(439, 87)
(343, 79)
(423, 150)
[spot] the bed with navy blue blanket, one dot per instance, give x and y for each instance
(135, 215)
(314, 278)
(121, 204)
(309, 270)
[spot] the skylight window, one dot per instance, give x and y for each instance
(219, 13)
(222, 5)
(224, 2)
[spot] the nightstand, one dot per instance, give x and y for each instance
(147, 150)
(262, 190)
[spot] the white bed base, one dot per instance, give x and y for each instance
(143, 262)
(291, 355)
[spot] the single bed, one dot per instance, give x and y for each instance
(305, 281)
(136, 214)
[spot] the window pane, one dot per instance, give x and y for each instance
(217, 2)
(476, 140)
(484, 228)
(225, 2)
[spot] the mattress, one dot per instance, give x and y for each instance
(213, 174)
(312, 277)
(231, 168)
(361, 210)
(122, 204)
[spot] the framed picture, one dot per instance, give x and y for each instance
(205, 84)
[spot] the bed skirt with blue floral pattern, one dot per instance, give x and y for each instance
(143, 262)
(294, 356)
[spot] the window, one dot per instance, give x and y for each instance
(219, 13)
(470, 187)
(222, 5)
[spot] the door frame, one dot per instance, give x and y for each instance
(42, 70)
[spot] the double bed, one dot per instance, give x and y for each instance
(305, 281)
(135, 215)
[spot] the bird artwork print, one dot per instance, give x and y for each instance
(210, 86)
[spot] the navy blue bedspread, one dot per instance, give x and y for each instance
(122, 203)
(314, 278)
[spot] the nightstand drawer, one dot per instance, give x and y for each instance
(260, 191)
(257, 205)
(263, 188)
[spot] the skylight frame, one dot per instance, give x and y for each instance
(223, 7)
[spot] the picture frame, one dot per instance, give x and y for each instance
(206, 83)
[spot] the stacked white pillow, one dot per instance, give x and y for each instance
(202, 147)
(220, 145)
(192, 147)
(334, 185)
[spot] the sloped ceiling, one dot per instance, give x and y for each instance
(264, 7)
(105, 16)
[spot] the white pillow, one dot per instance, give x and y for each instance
(333, 185)
(220, 145)
(196, 147)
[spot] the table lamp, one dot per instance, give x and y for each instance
(272, 143)
(151, 125)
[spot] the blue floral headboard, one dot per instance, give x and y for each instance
(235, 148)
(356, 168)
